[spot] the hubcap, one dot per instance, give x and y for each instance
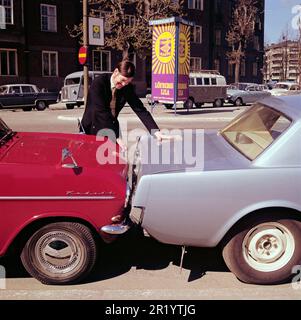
(268, 247)
(59, 253)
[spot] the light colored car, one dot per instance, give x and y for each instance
(286, 88)
(244, 93)
(72, 93)
(244, 195)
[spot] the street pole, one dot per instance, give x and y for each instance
(86, 43)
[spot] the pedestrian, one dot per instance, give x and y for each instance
(106, 98)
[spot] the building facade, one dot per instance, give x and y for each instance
(35, 46)
(282, 62)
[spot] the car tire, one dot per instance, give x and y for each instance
(60, 253)
(70, 106)
(264, 250)
(41, 105)
(168, 106)
(238, 102)
(27, 109)
(189, 103)
(218, 103)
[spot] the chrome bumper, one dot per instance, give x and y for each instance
(116, 229)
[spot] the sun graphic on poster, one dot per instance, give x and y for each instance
(164, 49)
(184, 50)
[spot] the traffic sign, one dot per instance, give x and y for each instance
(82, 55)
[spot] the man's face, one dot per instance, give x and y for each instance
(119, 80)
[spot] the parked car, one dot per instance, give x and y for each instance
(207, 86)
(244, 196)
(242, 93)
(26, 96)
(57, 202)
(72, 93)
(286, 88)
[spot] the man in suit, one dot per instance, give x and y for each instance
(108, 95)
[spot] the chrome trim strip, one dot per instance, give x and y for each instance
(57, 198)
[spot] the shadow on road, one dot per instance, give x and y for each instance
(135, 250)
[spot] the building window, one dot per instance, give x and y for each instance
(218, 6)
(243, 68)
(50, 63)
(130, 20)
(101, 60)
(8, 62)
(256, 43)
(231, 67)
(103, 14)
(196, 4)
(6, 12)
(48, 18)
(195, 64)
(217, 65)
(196, 35)
(255, 69)
(218, 37)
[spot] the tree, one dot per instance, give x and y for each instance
(131, 36)
(241, 32)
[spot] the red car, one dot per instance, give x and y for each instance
(56, 200)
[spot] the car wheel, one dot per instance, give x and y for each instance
(60, 253)
(238, 102)
(218, 103)
(189, 103)
(70, 106)
(27, 109)
(41, 105)
(168, 106)
(265, 250)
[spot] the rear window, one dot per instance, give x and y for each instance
(27, 89)
(213, 81)
(3, 90)
(71, 81)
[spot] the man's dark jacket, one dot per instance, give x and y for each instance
(98, 113)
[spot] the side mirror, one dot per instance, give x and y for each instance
(66, 153)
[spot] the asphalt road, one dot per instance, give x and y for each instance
(135, 267)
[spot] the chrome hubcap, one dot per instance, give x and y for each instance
(268, 247)
(59, 253)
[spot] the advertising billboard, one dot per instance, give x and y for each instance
(170, 60)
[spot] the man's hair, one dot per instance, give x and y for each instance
(126, 68)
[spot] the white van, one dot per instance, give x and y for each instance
(207, 86)
(72, 93)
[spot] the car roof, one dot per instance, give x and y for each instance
(17, 84)
(289, 105)
(80, 73)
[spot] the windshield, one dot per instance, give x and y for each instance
(255, 130)
(71, 81)
(3, 90)
(5, 132)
